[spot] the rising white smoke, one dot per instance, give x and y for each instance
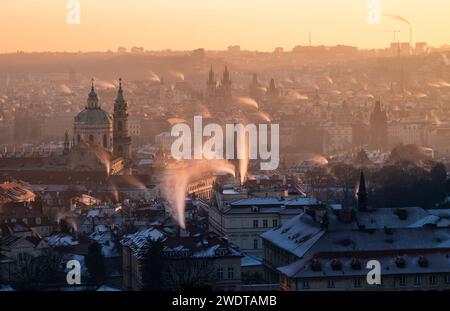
(176, 180)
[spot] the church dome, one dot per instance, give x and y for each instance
(93, 116)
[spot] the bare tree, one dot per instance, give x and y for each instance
(189, 274)
(347, 179)
(35, 273)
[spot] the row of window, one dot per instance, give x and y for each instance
(37, 220)
(91, 139)
(265, 223)
(403, 281)
(418, 280)
(230, 273)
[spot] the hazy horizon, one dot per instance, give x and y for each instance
(39, 26)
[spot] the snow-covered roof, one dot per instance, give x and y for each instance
(376, 240)
(105, 288)
(302, 202)
(6, 288)
(139, 239)
(196, 247)
(296, 235)
(259, 202)
(61, 240)
(389, 217)
(248, 261)
(435, 263)
(302, 236)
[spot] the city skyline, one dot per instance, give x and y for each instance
(181, 25)
(243, 148)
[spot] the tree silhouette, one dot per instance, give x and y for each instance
(95, 263)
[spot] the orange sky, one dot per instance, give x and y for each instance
(40, 25)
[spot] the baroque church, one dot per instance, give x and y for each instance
(100, 139)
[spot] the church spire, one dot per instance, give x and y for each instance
(226, 74)
(226, 84)
(120, 91)
(66, 143)
(120, 102)
(93, 98)
(211, 75)
(362, 193)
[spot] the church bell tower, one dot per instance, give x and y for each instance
(121, 139)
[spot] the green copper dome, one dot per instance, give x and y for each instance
(93, 116)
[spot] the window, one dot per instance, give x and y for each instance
(357, 283)
(255, 223)
(274, 222)
(447, 279)
(417, 280)
(265, 223)
(255, 244)
(306, 285)
(330, 283)
(402, 281)
(38, 220)
(220, 273)
(91, 138)
(105, 141)
(78, 138)
(432, 280)
(230, 273)
(119, 126)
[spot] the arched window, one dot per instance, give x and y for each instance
(105, 141)
(119, 126)
(91, 138)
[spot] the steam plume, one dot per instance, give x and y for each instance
(398, 18)
(247, 101)
(154, 77)
(173, 121)
(176, 180)
(177, 74)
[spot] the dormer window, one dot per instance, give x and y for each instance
(355, 264)
(423, 262)
(400, 262)
(315, 265)
(336, 264)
